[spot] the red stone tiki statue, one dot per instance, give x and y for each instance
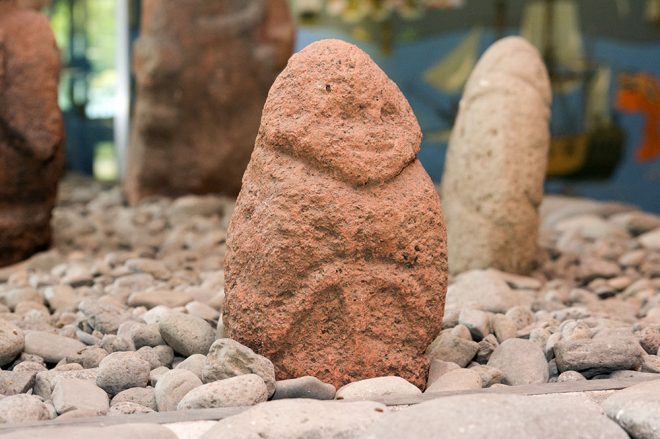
(203, 71)
(31, 131)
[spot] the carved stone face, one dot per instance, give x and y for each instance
(336, 263)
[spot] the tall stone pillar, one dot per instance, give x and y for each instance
(203, 71)
(31, 131)
(495, 167)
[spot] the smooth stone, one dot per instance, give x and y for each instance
(52, 348)
(485, 290)
(186, 334)
(228, 358)
(89, 357)
(77, 414)
(477, 322)
(75, 394)
(517, 281)
(12, 342)
(521, 362)
(377, 388)
(173, 386)
(141, 334)
(45, 381)
(114, 343)
(461, 331)
(145, 396)
(451, 348)
(521, 316)
(570, 376)
(599, 355)
(636, 409)
(132, 431)
(439, 368)
(486, 347)
(300, 418)
(150, 299)
(156, 374)
(239, 391)
(457, 379)
(202, 310)
(304, 387)
(489, 375)
(650, 363)
(649, 338)
(23, 408)
(122, 370)
(194, 363)
(497, 416)
(650, 240)
(13, 382)
(148, 354)
(503, 327)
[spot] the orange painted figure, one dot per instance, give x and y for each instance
(640, 93)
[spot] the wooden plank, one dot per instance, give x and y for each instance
(221, 413)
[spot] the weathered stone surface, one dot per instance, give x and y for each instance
(451, 348)
(597, 356)
(499, 417)
(300, 418)
(341, 273)
(46, 380)
(304, 387)
(31, 132)
(144, 396)
(203, 70)
(493, 180)
(51, 347)
(239, 391)
(377, 388)
(227, 358)
(12, 342)
(122, 370)
(194, 363)
(75, 394)
(128, 408)
(15, 382)
(485, 290)
(186, 334)
(521, 362)
(457, 379)
(23, 408)
(636, 409)
(173, 386)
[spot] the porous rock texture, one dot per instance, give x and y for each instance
(31, 132)
(203, 70)
(337, 264)
(493, 180)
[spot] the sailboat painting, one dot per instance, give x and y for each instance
(603, 58)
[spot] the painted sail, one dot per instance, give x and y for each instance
(451, 73)
(597, 109)
(562, 33)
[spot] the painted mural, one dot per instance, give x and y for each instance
(603, 57)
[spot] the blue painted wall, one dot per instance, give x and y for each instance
(632, 182)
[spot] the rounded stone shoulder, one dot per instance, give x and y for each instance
(507, 59)
(335, 108)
